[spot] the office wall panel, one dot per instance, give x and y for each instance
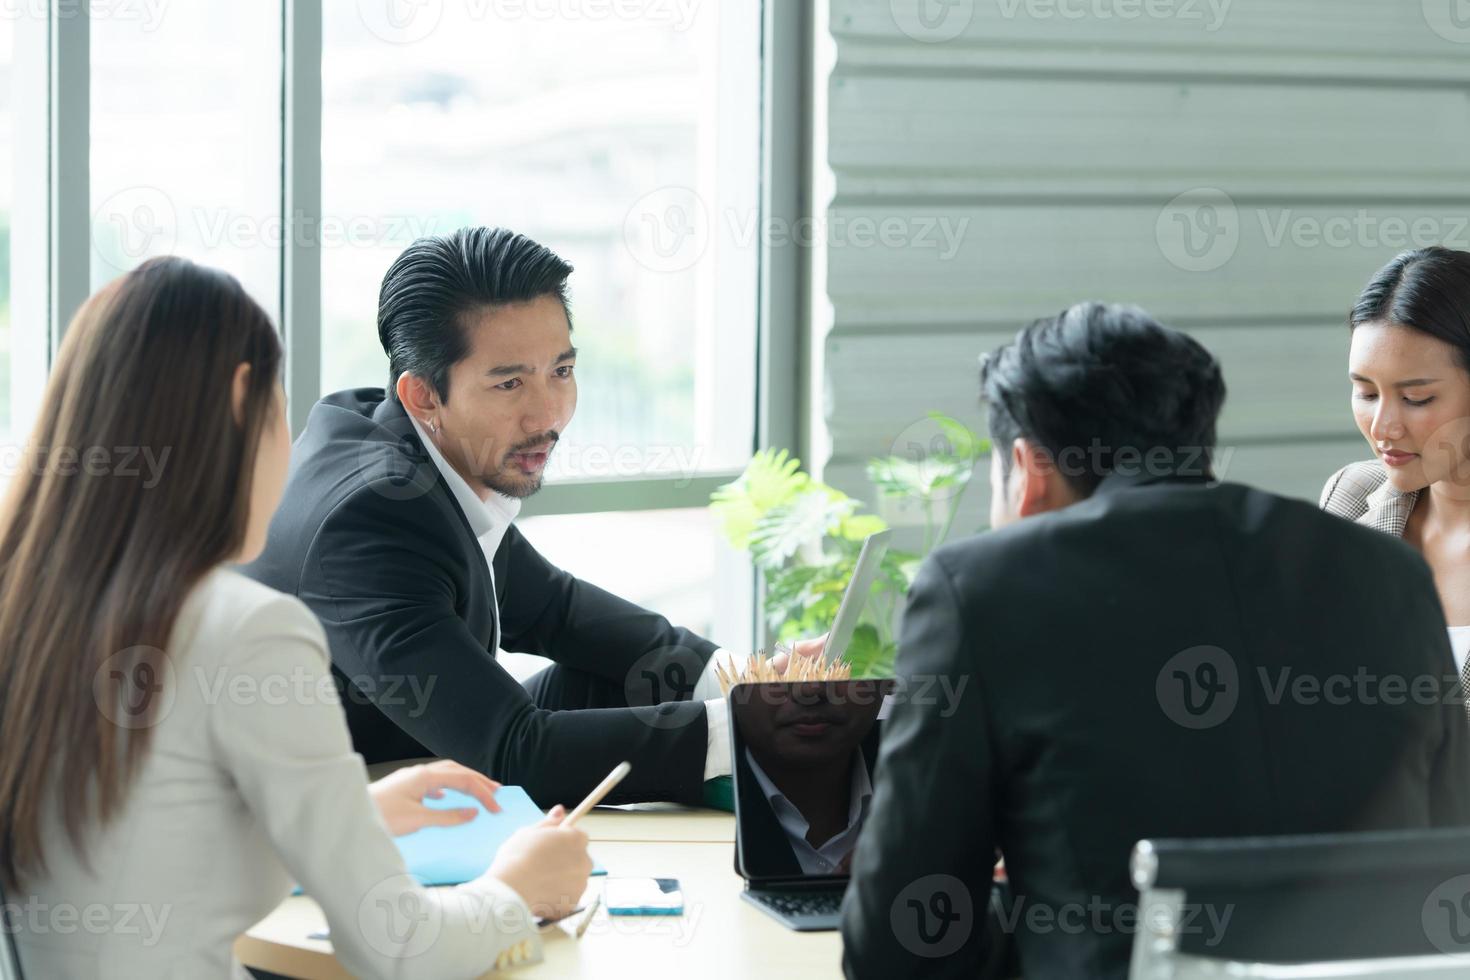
(1238, 168)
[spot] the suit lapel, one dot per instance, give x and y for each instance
(1389, 509)
(482, 618)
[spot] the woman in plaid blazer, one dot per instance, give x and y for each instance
(1410, 369)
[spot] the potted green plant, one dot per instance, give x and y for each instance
(805, 536)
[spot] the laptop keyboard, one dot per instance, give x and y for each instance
(801, 903)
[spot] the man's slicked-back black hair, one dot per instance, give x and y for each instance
(437, 279)
(1101, 380)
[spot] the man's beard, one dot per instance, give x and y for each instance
(517, 487)
(508, 481)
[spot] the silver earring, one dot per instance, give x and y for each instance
(433, 427)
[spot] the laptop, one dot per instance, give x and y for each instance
(803, 756)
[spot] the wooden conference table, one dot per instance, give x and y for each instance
(718, 934)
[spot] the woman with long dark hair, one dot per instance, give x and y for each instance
(1409, 364)
(172, 752)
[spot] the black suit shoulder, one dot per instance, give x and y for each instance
(358, 468)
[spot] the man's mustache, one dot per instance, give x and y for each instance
(544, 441)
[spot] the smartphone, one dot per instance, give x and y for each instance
(643, 896)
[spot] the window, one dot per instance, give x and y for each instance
(8, 190)
(186, 139)
(23, 222)
(625, 136)
(671, 561)
(631, 146)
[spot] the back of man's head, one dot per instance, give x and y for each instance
(1102, 389)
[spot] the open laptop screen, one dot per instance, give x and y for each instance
(802, 758)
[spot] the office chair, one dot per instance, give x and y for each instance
(9, 958)
(1383, 905)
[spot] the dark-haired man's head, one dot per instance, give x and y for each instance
(478, 337)
(1097, 390)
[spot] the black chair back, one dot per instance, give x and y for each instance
(1294, 900)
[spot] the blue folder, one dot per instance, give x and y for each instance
(451, 855)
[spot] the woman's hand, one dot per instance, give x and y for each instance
(400, 795)
(547, 865)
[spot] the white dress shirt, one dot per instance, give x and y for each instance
(490, 517)
(1460, 646)
(822, 860)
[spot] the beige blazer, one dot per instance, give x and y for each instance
(250, 783)
(1361, 492)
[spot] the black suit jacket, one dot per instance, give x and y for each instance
(1076, 735)
(372, 539)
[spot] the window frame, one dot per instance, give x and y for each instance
(783, 272)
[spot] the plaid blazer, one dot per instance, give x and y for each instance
(1361, 492)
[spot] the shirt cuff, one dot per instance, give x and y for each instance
(707, 688)
(717, 751)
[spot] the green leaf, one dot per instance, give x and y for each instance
(771, 479)
(785, 530)
(857, 527)
(898, 570)
(866, 653)
(774, 478)
(963, 442)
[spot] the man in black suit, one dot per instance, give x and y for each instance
(396, 529)
(1137, 647)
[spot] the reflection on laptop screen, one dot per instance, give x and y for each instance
(803, 757)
